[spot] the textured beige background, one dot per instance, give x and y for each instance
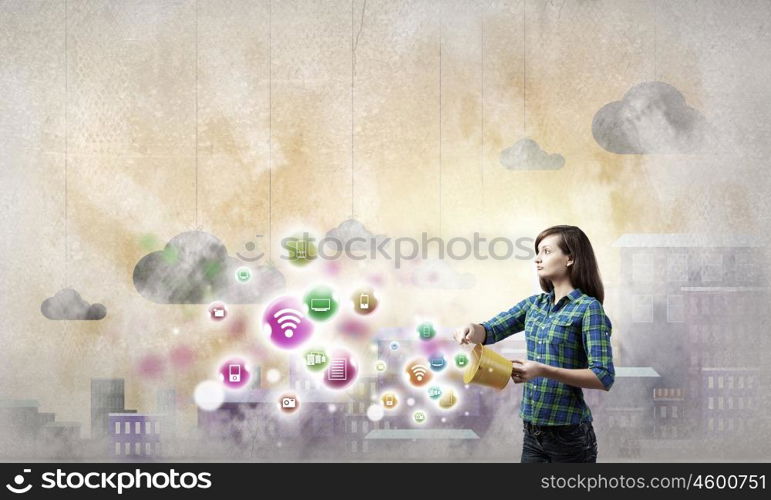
(249, 117)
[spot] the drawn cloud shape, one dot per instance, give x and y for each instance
(68, 305)
(526, 154)
(652, 117)
(350, 229)
(195, 268)
(436, 273)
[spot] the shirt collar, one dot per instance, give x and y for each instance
(573, 295)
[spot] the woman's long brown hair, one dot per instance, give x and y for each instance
(584, 273)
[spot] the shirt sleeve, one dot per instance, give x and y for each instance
(508, 322)
(596, 329)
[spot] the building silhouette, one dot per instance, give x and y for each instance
(107, 396)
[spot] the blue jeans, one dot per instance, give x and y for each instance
(559, 443)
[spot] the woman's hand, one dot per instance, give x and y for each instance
(472, 333)
(522, 371)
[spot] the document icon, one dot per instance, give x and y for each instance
(338, 369)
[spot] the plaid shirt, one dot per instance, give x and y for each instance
(575, 333)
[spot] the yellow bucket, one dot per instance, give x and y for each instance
(488, 368)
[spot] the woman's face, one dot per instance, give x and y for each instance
(550, 261)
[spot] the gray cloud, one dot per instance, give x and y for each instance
(526, 154)
(68, 305)
(195, 268)
(652, 117)
(351, 228)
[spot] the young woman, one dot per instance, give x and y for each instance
(568, 348)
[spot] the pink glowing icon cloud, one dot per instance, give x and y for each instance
(285, 320)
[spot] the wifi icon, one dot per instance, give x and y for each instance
(418, 373)
(285, 321)
(288, 320)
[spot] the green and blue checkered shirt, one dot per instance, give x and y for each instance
(574, 333)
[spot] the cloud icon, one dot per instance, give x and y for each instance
(526, 154)
(195, 268)
(350, 229)
(68, 305)
(652, 117)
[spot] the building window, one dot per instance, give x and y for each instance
(642, 268)
(710, 381)
(127, 449)
(677, 267)
(137, 427)
(675, 309)
(148, 449)
(353, 426)
(674, 412)
(157, 427)
(642, 309)
(147, 427)
(745, 268)
(664, 412)
(711, 267)
(138, 448)
(127, 428)
(117, 429)
(117, 448)
(157, 448)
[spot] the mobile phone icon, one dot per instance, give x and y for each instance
(301, 249)
(364, 301)
(235, 373)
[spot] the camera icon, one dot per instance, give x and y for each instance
(288, 403)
